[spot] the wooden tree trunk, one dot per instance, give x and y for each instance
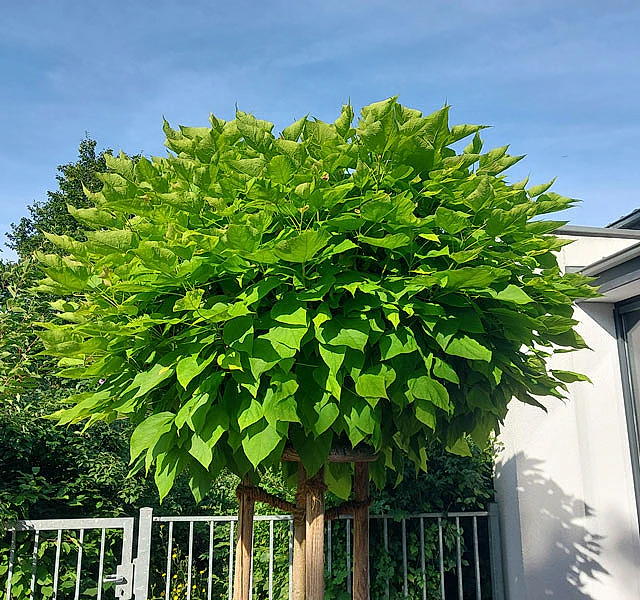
(314, 568)
(361, 533)
(299, 535)
(242, 582)
(308, 574)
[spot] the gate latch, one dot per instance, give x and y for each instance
(123, 579)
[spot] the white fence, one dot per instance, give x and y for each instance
(428, 556)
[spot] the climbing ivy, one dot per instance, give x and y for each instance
(340, 283)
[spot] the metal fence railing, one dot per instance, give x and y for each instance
(426, 556)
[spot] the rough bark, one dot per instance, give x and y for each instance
(299, 535)
(242, 580)
(314, 575)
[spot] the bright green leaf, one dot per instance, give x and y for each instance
(302, 247)
(148, 380)
(353, 333)
(147, 433)
(291, 311)
(443, 370)
(467, 347)
(192, 366)
(338, 477)
(397, 342)
(461, 448)
(238, 333)
(200, 451)
(569, 376)
(515, 294)
(192, 300)
(452, 221)
(257, 446)
(426, 388)
(391, 242)
(371, 386)
(252, 414)
(425, 413)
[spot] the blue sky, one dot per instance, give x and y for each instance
(557, 80)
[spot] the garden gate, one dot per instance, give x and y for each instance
(131, 575)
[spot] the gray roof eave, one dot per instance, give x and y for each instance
(583, 231)
(627, 259)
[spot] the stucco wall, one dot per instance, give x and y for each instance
(564, 482)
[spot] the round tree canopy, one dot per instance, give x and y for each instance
(336, 285)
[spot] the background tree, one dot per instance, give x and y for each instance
(17, 369)
(51, 214)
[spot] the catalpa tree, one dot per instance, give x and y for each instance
(340, 283)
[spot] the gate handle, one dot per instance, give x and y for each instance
(117, 579)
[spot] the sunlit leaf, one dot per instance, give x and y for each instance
(149, 432)
(260, 444)
(303, 247)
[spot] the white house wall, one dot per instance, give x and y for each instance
(564, 480)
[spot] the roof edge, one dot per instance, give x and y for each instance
(611, 261)
(605, 232)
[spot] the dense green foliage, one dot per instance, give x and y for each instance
(335, 284)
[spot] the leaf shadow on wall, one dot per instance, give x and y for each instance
(561, 553)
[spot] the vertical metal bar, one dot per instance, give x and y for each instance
(167, 583)
(103, 538)
(476, 558)
(125, 590)
(385, 536)
(405, 582)
(291, 529)
(127, 541)
(495, 553)
(231, 536)
(12, 557)
(190, 560)
(348, 526)
(210, 571)
(76, 594)
(329, 549)
(34, 564)
(56, 568)
(441, 558)
(459, 560)
(271, 559)
(422, 560)
(143, 559)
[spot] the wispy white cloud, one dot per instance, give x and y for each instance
(559, 80)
